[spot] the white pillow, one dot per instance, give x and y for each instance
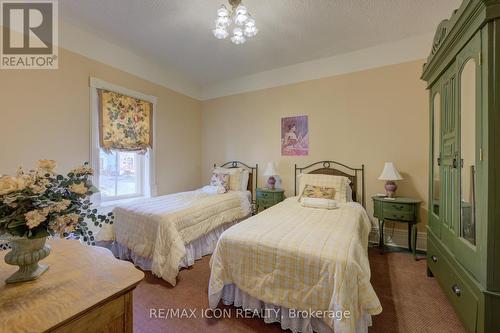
(339, 183)
(348, 193)
(235, 175)
(245, 176)
(318, 203)
(211, 189)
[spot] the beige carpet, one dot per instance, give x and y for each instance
(412, 302)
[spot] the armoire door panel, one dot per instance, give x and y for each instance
(448, 156)
(469, 119)
(435, 162)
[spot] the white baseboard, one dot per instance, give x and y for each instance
(398, 237)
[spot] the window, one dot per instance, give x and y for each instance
(120, 174)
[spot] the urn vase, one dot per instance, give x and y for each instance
(26, 253)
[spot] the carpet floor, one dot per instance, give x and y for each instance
(412, 302)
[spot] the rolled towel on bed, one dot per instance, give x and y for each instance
(318, 203)
(211, 189)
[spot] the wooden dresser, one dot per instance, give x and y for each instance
(85, 290)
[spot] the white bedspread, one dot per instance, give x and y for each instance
(159, 228)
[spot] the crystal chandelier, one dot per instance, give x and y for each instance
(237, 20)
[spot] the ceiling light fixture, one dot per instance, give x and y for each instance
(238, 21)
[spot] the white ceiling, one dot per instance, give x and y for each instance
(177, 33)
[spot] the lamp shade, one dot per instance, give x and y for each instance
(271, 169)
(390, 172)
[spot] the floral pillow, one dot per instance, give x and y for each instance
(320, 192)
(220, 179)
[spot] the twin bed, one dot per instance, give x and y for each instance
(306, 268)
(166, 233)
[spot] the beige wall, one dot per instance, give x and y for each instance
(366, 117)
(46, 114)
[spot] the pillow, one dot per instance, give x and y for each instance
(318, 203)
(220, 179)
(339, 183)
(235, 175)
(210, 189)
(348, 193)
(245, 176)
(320, 192)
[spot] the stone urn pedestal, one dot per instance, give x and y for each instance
(26, 253)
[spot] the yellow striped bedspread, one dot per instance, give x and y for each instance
(300, 258)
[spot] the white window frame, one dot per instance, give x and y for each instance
(148, 168)
(143, 174)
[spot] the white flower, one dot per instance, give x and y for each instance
(60, 206)
(40, 186)
(83, 170)
(24, 181)
(65, 223)
(78, 188)
(47, 165)
(8, 185)
(35, 217)
(10, 201)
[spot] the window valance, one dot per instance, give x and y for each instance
(125, 123)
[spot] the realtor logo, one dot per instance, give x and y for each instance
(29, 35)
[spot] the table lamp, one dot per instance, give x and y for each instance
(390, 174)
(271, 172)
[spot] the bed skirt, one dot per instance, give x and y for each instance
(196, 249)
(232, 295)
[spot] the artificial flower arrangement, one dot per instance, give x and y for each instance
(40, 203)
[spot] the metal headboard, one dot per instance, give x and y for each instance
(331, 168)
(253, 171)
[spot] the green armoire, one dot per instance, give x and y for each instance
(463, 77)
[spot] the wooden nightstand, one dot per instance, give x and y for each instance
(267, 197)
(404, 210)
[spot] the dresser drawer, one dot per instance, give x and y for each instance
(434, 258)
(108, 317)
(399, 216)
(458, 292)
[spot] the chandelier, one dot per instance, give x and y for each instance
(238, 21)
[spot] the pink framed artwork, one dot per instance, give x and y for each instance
(294, 136)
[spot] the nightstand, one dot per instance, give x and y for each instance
(403, 210)
(267, 197)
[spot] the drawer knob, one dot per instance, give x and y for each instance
(456, 290)
(434, 258)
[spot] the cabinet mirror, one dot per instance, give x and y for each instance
(468, 152)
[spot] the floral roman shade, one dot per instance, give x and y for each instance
(125, 123)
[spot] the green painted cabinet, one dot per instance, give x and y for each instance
(463, 77)
(266, 197)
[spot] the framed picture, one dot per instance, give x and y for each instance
(294, 136)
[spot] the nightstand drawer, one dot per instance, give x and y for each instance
(264, 195)
(399, 216)
(266, 201)
(267, 198)
(399, 207)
